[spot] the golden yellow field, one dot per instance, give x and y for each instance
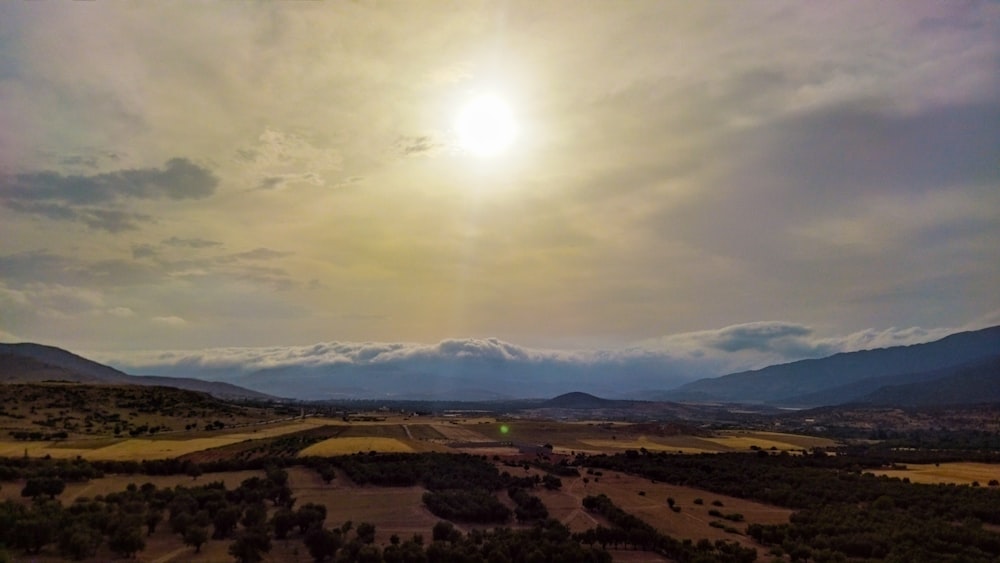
(963, 473)
(338, 446)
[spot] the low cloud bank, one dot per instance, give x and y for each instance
(481, 368)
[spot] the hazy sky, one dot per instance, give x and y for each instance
(179, 175)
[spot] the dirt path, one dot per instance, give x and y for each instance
(573, 491)
(172, 555)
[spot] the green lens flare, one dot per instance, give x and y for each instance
(504, 429)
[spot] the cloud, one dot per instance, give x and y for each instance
(56, 303)
(190, 242)
(178, 179)
(111, 220)
(261, 254)
(279, 159)
(95, 200)
(486, 363)
(418, 145)
(143, 251)
(758, 344)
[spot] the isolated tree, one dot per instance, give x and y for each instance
(255, 515)
(195, 536)
(251, 544)
(322, 544)
(445, 531)
(276, 475)
(309, 515)
(153, 519)
(127, 540)
(192, 470)
(369, 554)
(283, 522)
(225, 521)
(366, 533)
(327, 474)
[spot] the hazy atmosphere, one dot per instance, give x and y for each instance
(212, 189)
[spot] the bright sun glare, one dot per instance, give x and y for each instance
(485, 126)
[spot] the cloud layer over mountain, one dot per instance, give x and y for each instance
(484, 367)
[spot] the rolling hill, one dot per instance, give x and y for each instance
(578, 400)
(33, 363)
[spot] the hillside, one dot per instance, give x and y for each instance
(858, 390)
(39, 411)
(776, 384)
(976, 383)
(33, 363)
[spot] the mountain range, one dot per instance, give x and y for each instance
(850, 376)
(959, 369)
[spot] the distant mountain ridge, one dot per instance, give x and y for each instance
(846, 376)
(31, 363)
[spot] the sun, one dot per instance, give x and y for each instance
(485, 126)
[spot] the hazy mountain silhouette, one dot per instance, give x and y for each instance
(30, 363)
(846, 376)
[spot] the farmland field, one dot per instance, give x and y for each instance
(163, 447)
(400, 510)
(349, 445)
(743, 440)
(401, 434)
(963, 473)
